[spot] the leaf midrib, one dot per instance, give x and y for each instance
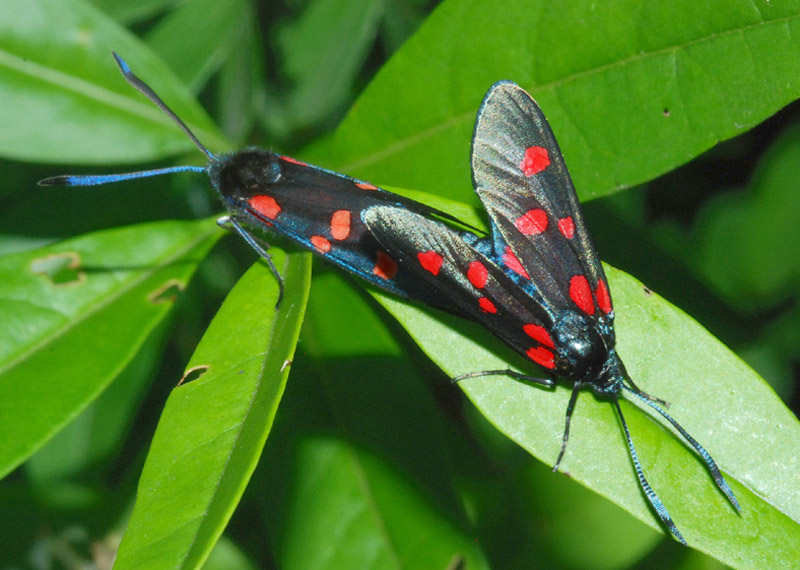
(431, 131)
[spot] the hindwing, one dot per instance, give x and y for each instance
(457, 277)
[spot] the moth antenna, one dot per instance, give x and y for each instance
(97, 179)
(145, 90)
(711, 465)
(654, 500)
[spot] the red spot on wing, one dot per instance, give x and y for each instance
(477, 274)
(486, 305)
(366, 186)
(541, 356)
(603, 298)
(513, 263)
(265, 205)
(321, 244)
(567, 227)
(535, 160)
(293, 160)
(581, 293)
(532, 222)
(539, 334)
(430, 261)
(385, 266)
(340, 224)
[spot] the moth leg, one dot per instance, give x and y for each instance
(570, 408)
(546, 382)
(261, 247)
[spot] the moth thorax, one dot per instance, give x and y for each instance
(245, 173)
(582, 351)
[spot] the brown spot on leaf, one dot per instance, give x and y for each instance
(193, 373)
(167, 293)
(61, 269)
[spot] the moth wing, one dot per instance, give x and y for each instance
(458, 278)
(320, 210)
(520, 176)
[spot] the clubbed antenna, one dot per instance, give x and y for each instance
(652, 498)
(144, 89)
(711, 465)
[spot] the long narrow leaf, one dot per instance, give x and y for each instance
(213, 429)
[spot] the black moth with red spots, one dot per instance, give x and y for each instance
(536, 281)
(319, 209)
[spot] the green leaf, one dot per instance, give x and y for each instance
(353, 510)
(359, 473)
(740, 242)
(715, 396)
(219, 22)
(671, 77)
(129, 12)
(68, 332)
(64, 100)
(88, 445)
(322, 68)
(226, 556)
(213, 427)
(241, 82)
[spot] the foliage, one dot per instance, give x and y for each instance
(374, 460)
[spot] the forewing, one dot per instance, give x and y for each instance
(454, 276)
(520, 176)
(317, 208)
